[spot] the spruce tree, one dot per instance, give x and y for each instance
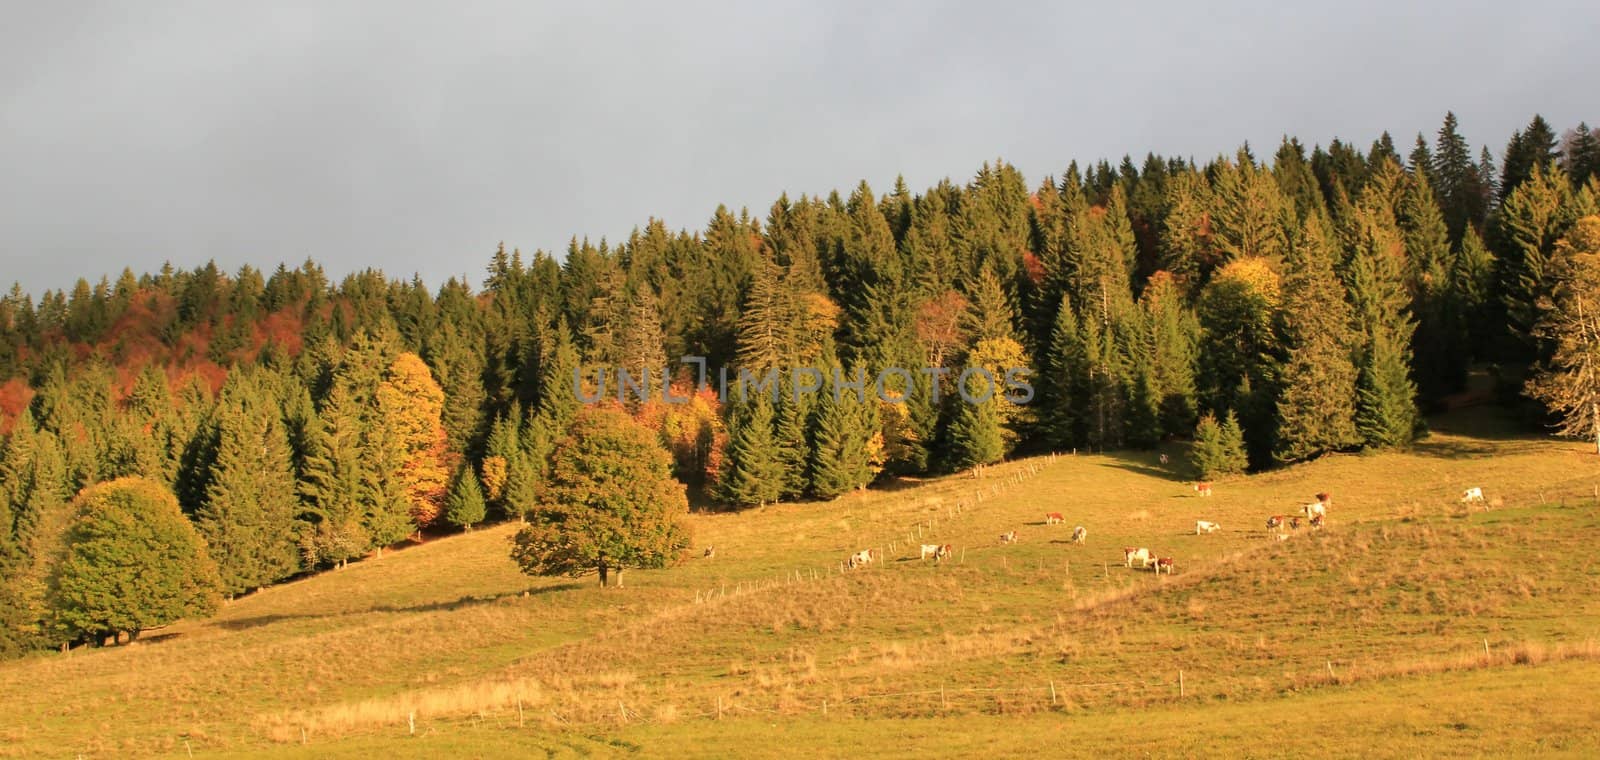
(1441, 343)
(790, 446)
(840, 441)
(1062, 385)
(1532, 218)
(975, 433)
(1386, 413)
(1316, 406)
(753, 475)
(1168, 332)
(1218, 449)
(248, 515)
(464, 505)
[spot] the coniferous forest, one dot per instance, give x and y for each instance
(1270, 307)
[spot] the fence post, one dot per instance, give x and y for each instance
(1052, 692)
(1180, 684)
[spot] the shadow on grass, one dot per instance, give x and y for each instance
(464, 602)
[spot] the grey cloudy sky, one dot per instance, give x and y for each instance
(414, 137)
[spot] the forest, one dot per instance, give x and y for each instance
(1272, 309)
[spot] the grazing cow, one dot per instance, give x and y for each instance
(1312, 510)
(711, 552)
(1472, 494)
(1316, 522)
(1164, 459)
(1008, 537)
(1129, 554)
(929, 550)
(1080, 534)
(943, 553)
(1054, 518)
(1162, 565)
(1274, 521)
(1205, 526)
(860, 558)
(1202, 488)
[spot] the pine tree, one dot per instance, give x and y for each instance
(1568, 385)
(459, 367)
(753, 475)
(1441, 366)
(1218, 449)
(1386, 413)
(1062, 384)
(841, 440)
(975, 433)
(1169, 333)
(790, 446)
(248, 516)
(464, 506)
(132, 561)
(330, 485)
(1581, 155)
(1316, 406)
(1249, 211)
(1532, 218)
(1472, 290)
(1456, 180)
(1531, 151)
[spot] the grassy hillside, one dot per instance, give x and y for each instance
(1409, 624)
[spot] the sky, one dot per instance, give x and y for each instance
(415, 137)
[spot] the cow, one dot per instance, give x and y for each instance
(1203, 488)
(1205, 526)
(1274, 521)
(929, 550)
(1080, 534)
(710, 553)
(860, 558)
(1314, 509)
(1472, 494)
(1164, 459)
(1129, 554)
(1054, 518)
(1162, 565)
(944, 552)
(1008, 537)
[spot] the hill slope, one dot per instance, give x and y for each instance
(1333, 635)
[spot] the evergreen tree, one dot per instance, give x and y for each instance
(841, 439)
(1536, 214)
(753, 475)
(1062, 384)
(464, 506)
(1472, 291)
(1218, 449)
(791, 449)
(975, 433)
(1568, 385)
(1169, 333)
(1456, 179)
(1386, 413)
(410, 407)
(1249, 211)
(1316, 407)
(1441, 366)
(247, 518)
(1580, 156)
(1531, 151)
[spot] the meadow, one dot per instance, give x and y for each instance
(1410, 625)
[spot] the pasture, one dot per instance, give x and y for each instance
(1410, 624)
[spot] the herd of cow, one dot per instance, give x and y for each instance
(1313, 515)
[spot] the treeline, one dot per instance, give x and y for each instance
(1283, 308)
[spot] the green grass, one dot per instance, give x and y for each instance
(1370, 634)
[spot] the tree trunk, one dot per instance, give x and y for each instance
(133, 635)
(603, 569)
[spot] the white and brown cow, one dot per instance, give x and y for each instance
(1054, 518)
(1203, 488)
(1162, 565)
(1205, 526)
(1275, 521)
(1008, 537)
(1472, 494)
(944, 552)
(1131, 554)
(929, 550)
(1080, 534)
(860, 558)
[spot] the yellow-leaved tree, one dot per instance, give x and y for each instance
(411, 403)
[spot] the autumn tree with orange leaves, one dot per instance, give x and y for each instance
(410, 404)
